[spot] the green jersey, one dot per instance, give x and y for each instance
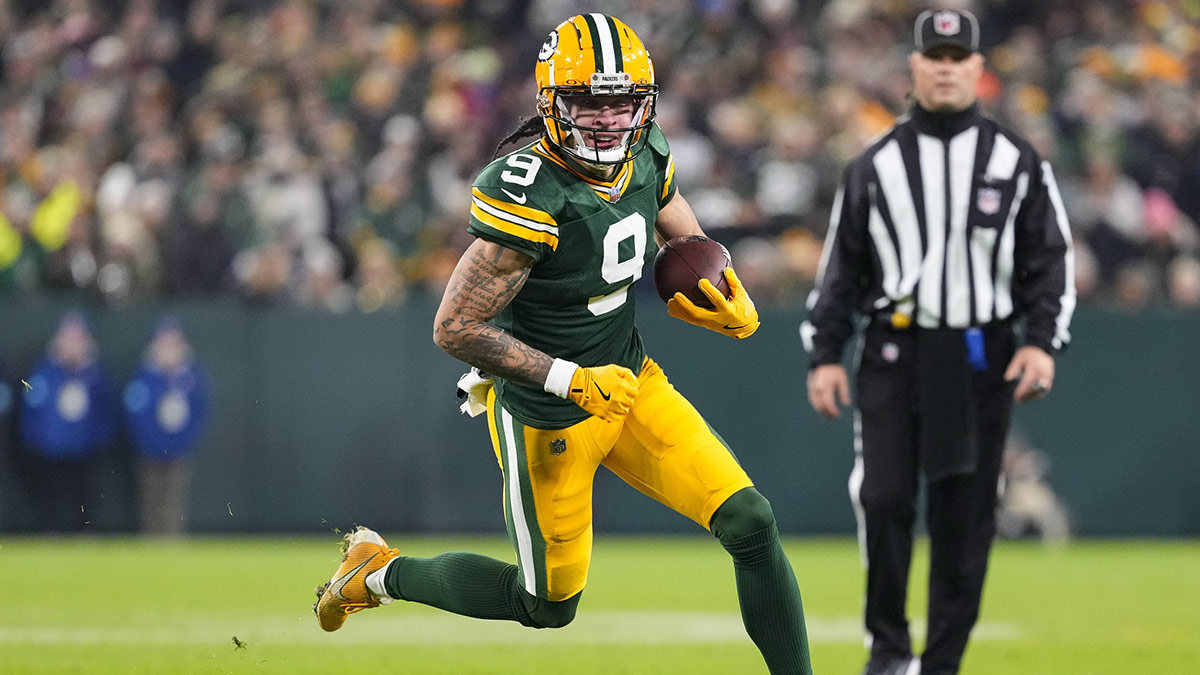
(589, 240)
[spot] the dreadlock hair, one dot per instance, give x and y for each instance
(530, 126)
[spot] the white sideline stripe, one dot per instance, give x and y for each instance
(595, 627)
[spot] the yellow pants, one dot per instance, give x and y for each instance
(663, 447)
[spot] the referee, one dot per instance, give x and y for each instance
(949, 243)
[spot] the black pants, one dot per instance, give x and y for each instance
(960, 509)
(63, 492)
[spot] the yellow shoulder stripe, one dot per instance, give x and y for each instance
(521, 231)
(670, 175)
(517, 210)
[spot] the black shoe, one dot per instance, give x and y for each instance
(907, 665)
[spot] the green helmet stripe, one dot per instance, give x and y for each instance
(605, 43)
(618, 57)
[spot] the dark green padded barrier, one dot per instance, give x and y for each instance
(320, 422)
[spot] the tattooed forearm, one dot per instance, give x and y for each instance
(487, 278)
(498, 353)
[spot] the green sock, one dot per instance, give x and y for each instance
(770, 600)
(767, 591)
(477, 586)
(464, 583)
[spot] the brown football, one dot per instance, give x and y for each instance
(682, 262)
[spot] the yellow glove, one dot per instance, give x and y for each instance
(604, 391)
(735, 317)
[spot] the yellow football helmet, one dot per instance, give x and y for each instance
(595, 55)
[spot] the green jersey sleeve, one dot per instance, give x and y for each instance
(664, 163)
(511, 207)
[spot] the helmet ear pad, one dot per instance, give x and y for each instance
(545, 109)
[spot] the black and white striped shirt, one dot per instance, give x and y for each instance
(950, 218)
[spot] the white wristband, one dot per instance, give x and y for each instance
(558, 382)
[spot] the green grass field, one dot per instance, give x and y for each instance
(653, 606)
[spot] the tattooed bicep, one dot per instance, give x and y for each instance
(486, 279)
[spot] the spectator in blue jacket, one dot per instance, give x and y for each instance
(166, 407)
(68, 417)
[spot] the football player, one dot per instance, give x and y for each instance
(541, 300)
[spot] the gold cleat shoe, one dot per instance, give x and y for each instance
(363, 552)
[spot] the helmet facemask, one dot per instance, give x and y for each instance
(584, 142)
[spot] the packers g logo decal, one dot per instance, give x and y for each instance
(549, 46)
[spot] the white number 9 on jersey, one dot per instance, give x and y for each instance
(614, 269)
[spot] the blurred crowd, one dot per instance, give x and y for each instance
(319, 154)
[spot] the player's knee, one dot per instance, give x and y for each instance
(743, 514)
(546, 614)
(889, 498)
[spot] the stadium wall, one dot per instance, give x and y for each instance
(321, 422)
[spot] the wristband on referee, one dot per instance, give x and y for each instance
(558, 382)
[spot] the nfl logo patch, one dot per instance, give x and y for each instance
(890, 352)
(988, 200)
(945, 23)
(614, 193)
(558, 446)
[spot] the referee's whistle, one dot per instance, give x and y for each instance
(902, 315)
